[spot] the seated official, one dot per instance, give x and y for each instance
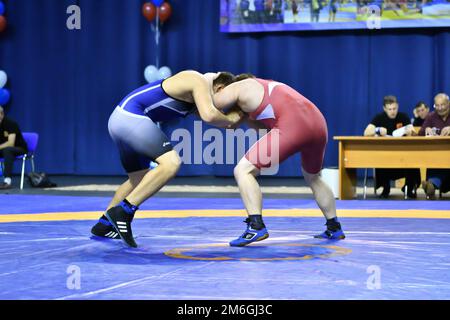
(421, 110)
(437, 123)
(12, 145)
(384, 124)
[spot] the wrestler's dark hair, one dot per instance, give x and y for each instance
(224, 78)
(244, 76)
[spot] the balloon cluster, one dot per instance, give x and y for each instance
(157, 8)
(161, 11)
(4, 93)
(2, 17)
(153, 74)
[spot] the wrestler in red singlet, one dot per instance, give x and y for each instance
(301, 127)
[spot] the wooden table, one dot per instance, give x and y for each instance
(388, 152)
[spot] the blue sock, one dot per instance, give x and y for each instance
(128, 207)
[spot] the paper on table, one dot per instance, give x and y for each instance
(401, 131)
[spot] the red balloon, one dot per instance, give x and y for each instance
(149, 11)
(165, 11)
(2, 23)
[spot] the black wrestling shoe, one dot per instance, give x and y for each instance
(104, 229)
(121, 221)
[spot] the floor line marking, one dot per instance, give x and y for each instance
(124, 284)
(145, 214)
(26, 269)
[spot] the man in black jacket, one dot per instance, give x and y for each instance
(386, 124)
(12, 145)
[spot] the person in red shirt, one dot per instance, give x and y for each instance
(296, 125)
(437, 123)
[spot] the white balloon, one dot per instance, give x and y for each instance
(151, 74)
(3, 78)
(164, 73)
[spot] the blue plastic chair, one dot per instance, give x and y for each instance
(31, 138)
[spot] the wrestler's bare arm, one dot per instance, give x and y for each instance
(207, 111)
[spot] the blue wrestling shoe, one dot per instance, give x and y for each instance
(333, 232)
(331, 235)
(251, 234)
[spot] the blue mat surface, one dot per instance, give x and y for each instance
(16, 204)
(382, 259)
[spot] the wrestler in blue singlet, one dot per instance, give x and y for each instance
(133, 127)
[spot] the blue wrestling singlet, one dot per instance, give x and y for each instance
(152, 101)
(132, 125)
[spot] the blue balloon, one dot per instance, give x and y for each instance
(4, 96)
(158, 3)
(2, 8)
